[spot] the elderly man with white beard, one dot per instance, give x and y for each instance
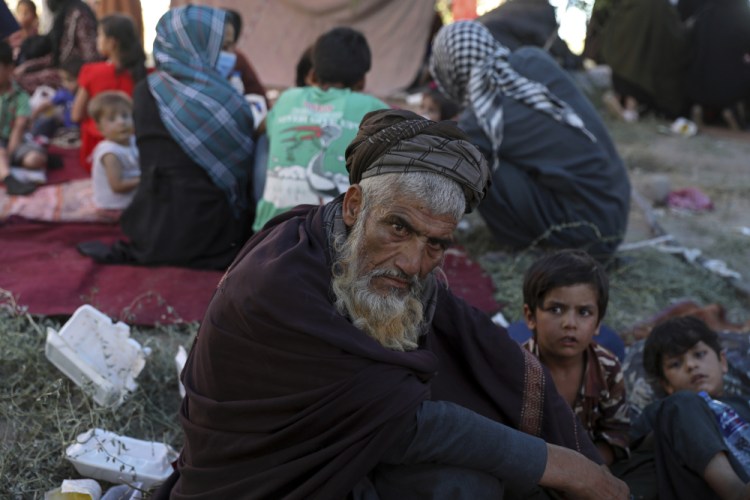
(333, 361)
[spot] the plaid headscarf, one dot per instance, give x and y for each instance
(397, 141)
(208, 118)
(470, 66)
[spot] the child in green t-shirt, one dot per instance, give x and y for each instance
(14, 120)
(310, 127)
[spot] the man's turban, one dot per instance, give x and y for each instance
(399, 141)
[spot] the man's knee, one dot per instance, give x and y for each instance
(683, 401)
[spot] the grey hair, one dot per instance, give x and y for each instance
(441, 195)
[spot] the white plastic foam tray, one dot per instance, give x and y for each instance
(107, 456)
(96, 354)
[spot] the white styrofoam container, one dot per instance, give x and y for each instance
(107, 456)
(96, 354)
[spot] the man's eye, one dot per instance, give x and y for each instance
(398, 228)
(436, 246)
(701, 354)
(555, 309)
(585, 312)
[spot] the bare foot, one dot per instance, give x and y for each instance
(730, 119)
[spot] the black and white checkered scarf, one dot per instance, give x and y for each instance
(471, 67)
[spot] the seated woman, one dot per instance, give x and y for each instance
(73, 35)
(557, 179)
(193, 132)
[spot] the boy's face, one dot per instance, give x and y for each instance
(116, 124)
(565, 322)
(68, 81)
(25, 16)
(697, 369)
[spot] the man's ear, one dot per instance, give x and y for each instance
(723, 361)
(310, 79)
(352, 205)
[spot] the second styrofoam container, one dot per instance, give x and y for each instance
(107, 456)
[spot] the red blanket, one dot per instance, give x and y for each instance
(41, 268)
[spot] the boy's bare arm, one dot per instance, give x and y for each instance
(78, 110)
(113, 169)
(721, 477)
(16, 135)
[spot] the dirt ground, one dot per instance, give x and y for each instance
(716, 161)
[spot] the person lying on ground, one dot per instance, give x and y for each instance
(678, 449)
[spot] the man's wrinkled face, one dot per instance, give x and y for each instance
(388, 254)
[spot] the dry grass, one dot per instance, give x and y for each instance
(643, 282)
(41, 411)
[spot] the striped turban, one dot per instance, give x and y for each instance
(398, 141)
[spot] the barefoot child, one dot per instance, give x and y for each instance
(116, 171)
(565, 297)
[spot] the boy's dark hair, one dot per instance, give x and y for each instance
(565, 268)
(674, 337)
(448, 108)
(105, 100)
(6, 53)
(341, 56)
(72, 65)
(304, 65)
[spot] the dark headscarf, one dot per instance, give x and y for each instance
(398, 141)
(210, 120)
(60, 9)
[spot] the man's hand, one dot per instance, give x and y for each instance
(570, 472)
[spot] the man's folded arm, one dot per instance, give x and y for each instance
(449, 434)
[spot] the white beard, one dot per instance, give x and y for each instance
(394, 320)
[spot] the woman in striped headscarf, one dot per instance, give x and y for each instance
(194, 136)
(557, 179)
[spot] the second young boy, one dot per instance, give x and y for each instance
(565, 297)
